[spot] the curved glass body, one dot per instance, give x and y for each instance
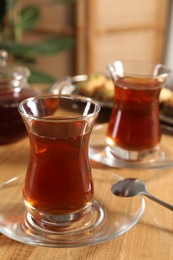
(58, 185)
(134, 124)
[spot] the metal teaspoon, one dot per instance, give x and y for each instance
(131, 187)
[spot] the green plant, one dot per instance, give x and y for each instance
(14, 22)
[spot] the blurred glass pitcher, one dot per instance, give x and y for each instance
(14, 88)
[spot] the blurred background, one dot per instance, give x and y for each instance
(56, 38)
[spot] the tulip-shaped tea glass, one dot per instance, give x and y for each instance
(133, 134)
(60, 206)
(58, 188)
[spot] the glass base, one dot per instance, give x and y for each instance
(92, 217)
(109, 216)
(117, 157)
(151, 155)
(54, 222)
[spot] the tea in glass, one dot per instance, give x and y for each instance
(134, 124)
(58, 186)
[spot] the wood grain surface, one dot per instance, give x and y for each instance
(151, 238)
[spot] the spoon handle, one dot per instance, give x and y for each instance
(161, 202)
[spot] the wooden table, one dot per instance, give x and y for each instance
(151, 238)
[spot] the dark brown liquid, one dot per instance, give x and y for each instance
(12, 127)
(59, 177)
(134, 123)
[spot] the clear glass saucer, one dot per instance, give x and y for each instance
(100, 152)
(114, 216)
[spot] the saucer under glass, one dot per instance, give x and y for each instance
(109, 217)
(100, 152)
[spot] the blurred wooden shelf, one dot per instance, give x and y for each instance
(109, 30)
(104, 31)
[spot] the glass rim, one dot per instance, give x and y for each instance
(64, 96)
(139, 69)
(160, 80)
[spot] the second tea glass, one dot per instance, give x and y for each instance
(133, 133)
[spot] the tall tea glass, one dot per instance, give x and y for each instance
(133, 132)
(58, 188)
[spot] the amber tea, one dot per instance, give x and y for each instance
(59, 177)
(133, 132)
(58, 185)
(12, 127)
(134, 123)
